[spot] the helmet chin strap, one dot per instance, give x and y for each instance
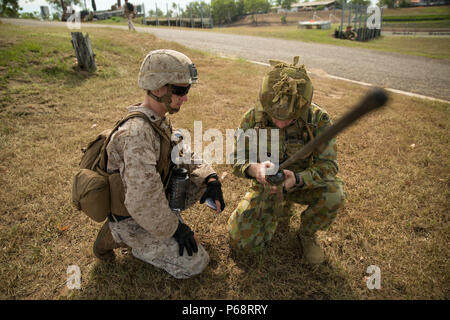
(166, 99)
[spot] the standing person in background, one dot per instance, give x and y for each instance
(128, 12)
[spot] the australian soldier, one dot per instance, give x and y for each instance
(285, 103)
(140, 150)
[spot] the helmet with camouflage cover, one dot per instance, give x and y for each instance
(166, 67)
(161, 67)
(286, 90)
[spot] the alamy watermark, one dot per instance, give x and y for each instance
(73, 277)
(374, 280)
(213, 153)
(374, 19)
(74, 20)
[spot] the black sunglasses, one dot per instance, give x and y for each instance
(180, 91)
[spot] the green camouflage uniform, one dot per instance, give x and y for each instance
(253, 223)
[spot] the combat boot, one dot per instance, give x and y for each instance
(312, 251)
(104, 244)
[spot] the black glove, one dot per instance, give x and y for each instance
(214, 191)
(185, 238)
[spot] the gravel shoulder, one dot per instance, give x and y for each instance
(425, 76)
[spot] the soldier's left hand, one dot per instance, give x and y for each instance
(289, 181)
(214, 191)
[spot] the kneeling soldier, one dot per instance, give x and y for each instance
(286, 104)
(140, 151)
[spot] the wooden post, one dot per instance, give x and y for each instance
(83, 49)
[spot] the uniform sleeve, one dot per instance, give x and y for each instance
(324, 166)
(145, 199)
(247, 122)
(198, 172)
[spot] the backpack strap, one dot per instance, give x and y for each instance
(308, 124)
(259, 117)
(102, 159)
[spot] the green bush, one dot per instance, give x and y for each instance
(30, 15)
(116, 19)
(283, 19)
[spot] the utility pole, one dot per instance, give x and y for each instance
(179, 14)
(201, 13)
(167, 14)
(342, 18)
(192, 22)
(157, 21)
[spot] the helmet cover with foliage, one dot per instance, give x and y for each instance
(286, 90)
(161, 67)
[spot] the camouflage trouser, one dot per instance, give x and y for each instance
(130, 24)
(161, 253)
(253, 223)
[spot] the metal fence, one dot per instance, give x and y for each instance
(356, 18)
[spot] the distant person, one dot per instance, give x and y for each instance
(128, 12)
(350, 34)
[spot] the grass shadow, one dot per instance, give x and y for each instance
(283, 273)
(130, 278)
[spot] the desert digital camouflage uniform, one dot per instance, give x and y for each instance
(134, 150)
(253, 223)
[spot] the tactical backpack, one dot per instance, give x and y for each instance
(98, 193)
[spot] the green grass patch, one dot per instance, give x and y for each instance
(417, 17)
(418, 11)
(436, 25)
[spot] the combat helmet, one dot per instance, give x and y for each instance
(166, 67)
(286, 90)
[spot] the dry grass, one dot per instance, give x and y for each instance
(398, 195)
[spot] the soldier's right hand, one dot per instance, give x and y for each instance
(258, 170)
(185, 238)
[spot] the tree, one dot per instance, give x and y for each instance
(256, 6)
(405, 3)
(388, 3)
(9, 8)
(175, 8)
(240, 7)
(286, 4)
(361, 2)
(224, 11)
(197, 8)
(159, 13)
(60, 4)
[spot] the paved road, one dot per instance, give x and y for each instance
(425, 76)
